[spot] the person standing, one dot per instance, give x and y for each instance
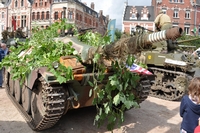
(3, 52)
(190, 107)
(163, 22)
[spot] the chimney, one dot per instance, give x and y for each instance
(92, 5)
(100, 12)
(107, 17)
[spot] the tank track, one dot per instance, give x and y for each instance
(143, 89)
(167, 88)
(54, 107)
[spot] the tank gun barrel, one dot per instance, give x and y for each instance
(128, 45)
(134, 44)
(188, 40)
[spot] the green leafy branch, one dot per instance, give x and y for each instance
(116, 96)
(45, 51)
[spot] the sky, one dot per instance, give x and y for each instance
(114, 8)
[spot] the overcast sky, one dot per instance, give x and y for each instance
(114, 8)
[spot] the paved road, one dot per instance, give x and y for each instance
(154, 116)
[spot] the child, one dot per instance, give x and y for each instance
(190, 107)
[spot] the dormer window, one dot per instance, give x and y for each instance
(145, 14)
(133, 13)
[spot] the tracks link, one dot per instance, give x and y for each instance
(143, 90)
(53, 101)
(171, 94)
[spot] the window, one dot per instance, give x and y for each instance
(187, 30)
(187, 14)
(33, 16)
(56, 15)
(22, 2)
(175, 1)
(35, 4)
(76, 16)
(45, 4)
(42, 17)
(164, 11)
(85, 20)
(15, 3)
(80, 18)
(70, 15)
(47, 15)
(23, 21)
(38, 15)
(170, 0)
(41, 2)
(175, 15)
(181, 1)
(2, 27)
(90, 21)
(144, 17)
(2, 15)
(133, 16)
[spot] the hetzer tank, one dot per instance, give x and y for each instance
(43, 100)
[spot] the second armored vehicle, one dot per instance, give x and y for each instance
(173, 70)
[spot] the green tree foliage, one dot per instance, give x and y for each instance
(118, 34)
(41, 50)
(116, 96)
(189, 43)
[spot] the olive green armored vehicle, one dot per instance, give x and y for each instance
(173, 69)
(43, 100)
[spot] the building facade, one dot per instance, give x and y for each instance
(183, 13)
(42, 13)
(137, 15)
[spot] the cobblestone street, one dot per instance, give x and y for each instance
(154, 116)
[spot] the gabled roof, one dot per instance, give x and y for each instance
(139, 9)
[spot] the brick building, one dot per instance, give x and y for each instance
(137, 15)
(3, 18)
(29, 13)
(183, 13)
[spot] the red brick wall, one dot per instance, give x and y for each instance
(181, 6)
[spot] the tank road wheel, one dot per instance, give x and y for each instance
(26, 99)
(18, 91)
(47, 104)
(37, 106)
(11, 85)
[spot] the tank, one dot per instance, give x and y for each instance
(42, 100)
(173, 70)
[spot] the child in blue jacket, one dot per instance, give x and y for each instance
(190, 107)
